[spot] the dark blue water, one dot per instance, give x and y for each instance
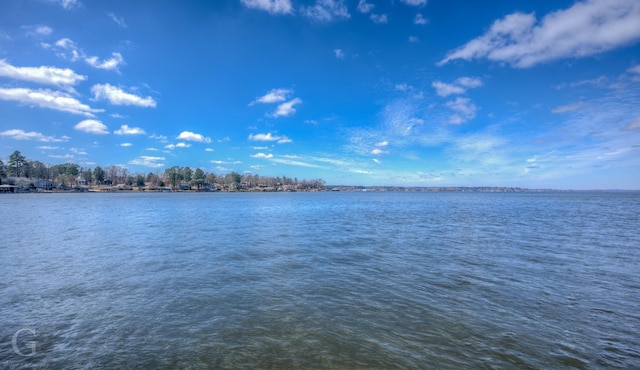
(320, 280)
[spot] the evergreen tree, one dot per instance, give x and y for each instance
(16, 164)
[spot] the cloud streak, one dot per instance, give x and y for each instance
(17, 134)
(587, 28)
(270, 6)
(117, 96)
(46, 75)
(44, 98)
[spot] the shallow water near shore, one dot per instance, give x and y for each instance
(320, 280)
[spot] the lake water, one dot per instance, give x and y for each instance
(320, 280)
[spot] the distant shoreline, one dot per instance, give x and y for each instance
(9, 189)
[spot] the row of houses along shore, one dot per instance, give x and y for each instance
(24, 185)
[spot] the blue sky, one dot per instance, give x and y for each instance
(404, 92)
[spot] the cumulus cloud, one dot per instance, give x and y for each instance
(326, 11)
(190, 136)
(126, 130)
(17, 134)
(286, 109)
(270, 137)
(39, 30)
(464, 110)
(45, 98)
(586, 28)
(43, 75)
(126, 145)
(379, 18)
(459, 86)
(148, 161)
(262, 155)
(178, 145)
(108, 64)
(270, 6)
(415, 2)
(339, 53)
(92, 126)
(364, 6)
(273, 96)
(445, 89)
(68, 49)
(117, 96)
(420, 19)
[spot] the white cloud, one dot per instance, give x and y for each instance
(586, 28)
(44, 75)
(287, 109)
(119, 20)
(326, 11)
(126, 130)
(67, 4)
(70, 4)
(208, 149)
(17, 134)
(379, 18)
(190, 136)
(445, 89)
(270, 137)
(125, 145)
(117, 96)
(270, 6)
(273, 96)
(633, 125)
(567, 108)
(61, 156)
(469, 82)
(108, 64)
(92, 126)
(65, 48)
(364, 6)
(39, 30)
(179, 145)
(464, 110)
(68, 49)
(419, 19)
(148, 161)
(44, 98)
(339, 53)
(414, 39)
(459, 86)
(47, 147)
(415, 2)
(262, 155)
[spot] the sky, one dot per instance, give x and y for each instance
(535, 94)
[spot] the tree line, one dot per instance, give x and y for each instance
(18, 166)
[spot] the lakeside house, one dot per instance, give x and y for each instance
(43, 185)
(6, 188)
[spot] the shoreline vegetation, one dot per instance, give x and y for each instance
(20, 175)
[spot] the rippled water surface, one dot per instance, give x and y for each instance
(320, 280)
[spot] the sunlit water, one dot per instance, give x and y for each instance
(320, 280)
